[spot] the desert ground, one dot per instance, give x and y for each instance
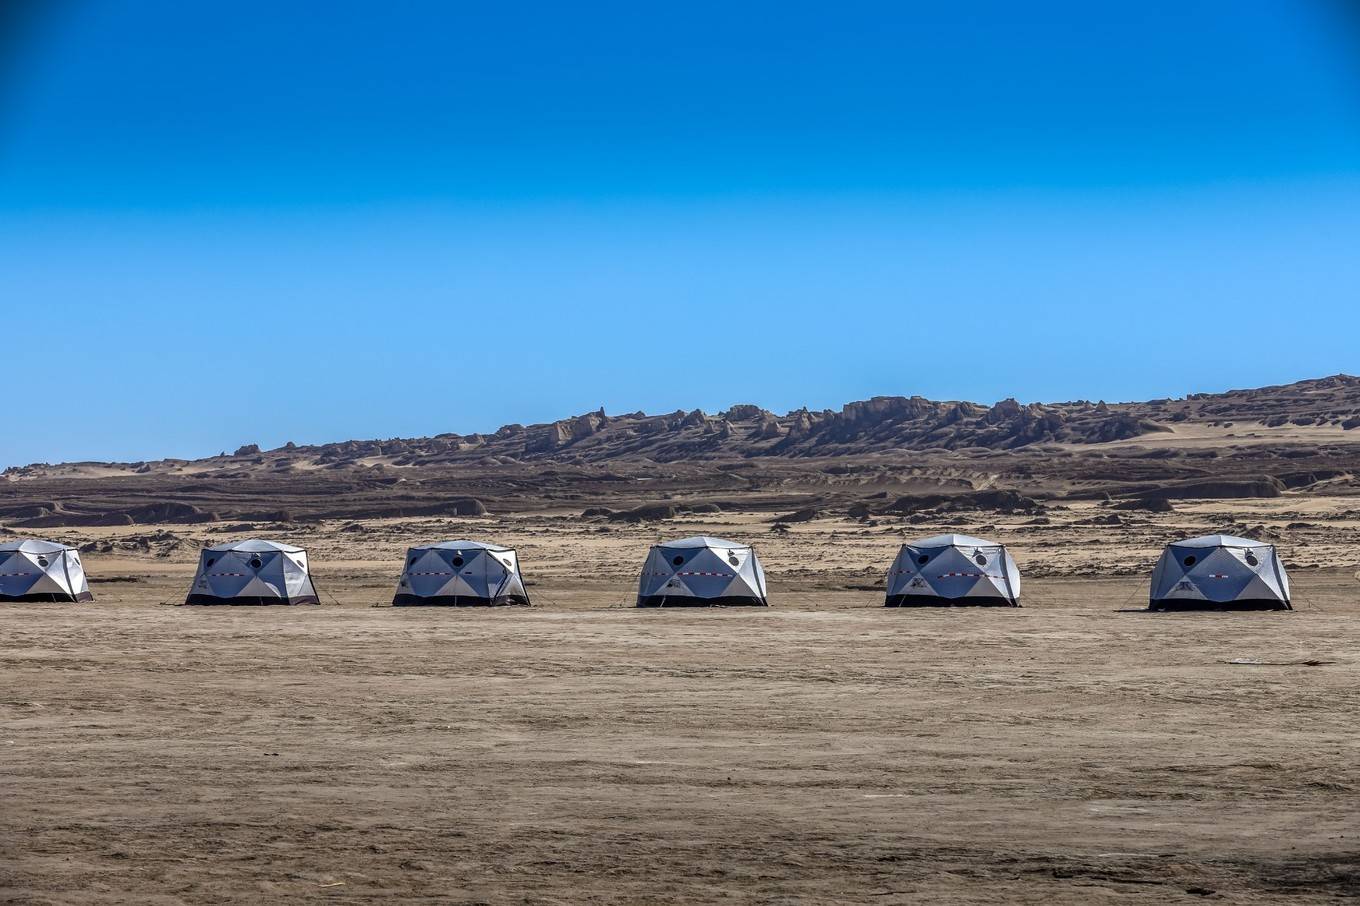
(825, 749)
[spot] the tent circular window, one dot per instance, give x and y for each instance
(256, 562)
(1190, 560)
(42, 561)
(457, 561)
(980, 560)
(212, 560)
(1251, 559)
(923, 559)
(677, 560)
(732, 558)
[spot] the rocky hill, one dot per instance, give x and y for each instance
(881, 424)
(1239, 443)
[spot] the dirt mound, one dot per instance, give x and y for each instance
(169, 512)
(270, 516)
(62, 518)
(158, 544)
(1258, 532)
(999, 500)
(804, 515)
(1108, 519)
(29, 510)
(383, 506)
(1154, 505)
(596, 512)
(652, 512)
(1217, 490)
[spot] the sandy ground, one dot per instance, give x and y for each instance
(823, 750)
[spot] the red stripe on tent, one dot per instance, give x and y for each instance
(718, 575)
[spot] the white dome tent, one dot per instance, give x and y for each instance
(33, 570)
(460, 574)
(1219, 572)
(701, 572)
(953, 571)
(253, 572)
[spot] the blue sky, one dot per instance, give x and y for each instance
(224, 223)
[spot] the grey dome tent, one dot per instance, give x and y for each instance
(460, 574)
(1219, 572)
(700, 572)
(953, 571)
(41, 571)
(253, 572)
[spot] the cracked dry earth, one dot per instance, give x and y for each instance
(823, 750)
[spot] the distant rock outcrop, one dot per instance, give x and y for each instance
(880, 425)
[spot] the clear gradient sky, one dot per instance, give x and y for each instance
(227, 222)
